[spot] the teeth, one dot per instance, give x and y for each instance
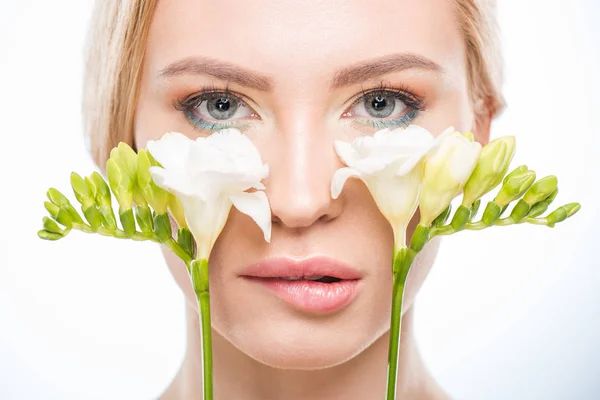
(297, 278)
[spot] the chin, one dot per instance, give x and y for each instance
(299, 345)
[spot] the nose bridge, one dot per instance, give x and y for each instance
(299, 186)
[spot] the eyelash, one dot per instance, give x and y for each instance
(414, 104)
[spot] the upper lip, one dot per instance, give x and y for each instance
(283, 267)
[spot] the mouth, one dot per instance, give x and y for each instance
(317, 284)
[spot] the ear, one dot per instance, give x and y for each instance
(483, 115)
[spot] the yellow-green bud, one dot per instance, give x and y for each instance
(143, 215)
(514, 185)
(474, 209)
(52, 209)
(491, 214)
(83, 193)
(51, 226)
(540, 190)
(562, 213)
(490, 170)
(162, 227)
(127, 221)
(419, 238)
(461, 217)
(157, 197)
(443, 217)
(43, 234)
(56, 197)
(120, 183)
(103, 200)
(93, 216)
(186, 241)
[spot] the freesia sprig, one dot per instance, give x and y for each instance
(407, 167)
(196, 182)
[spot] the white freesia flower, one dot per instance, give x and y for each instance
(390, 163)
(209, 175)
(447, 170)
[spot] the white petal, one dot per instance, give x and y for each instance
(256, 206)
(171, 150)
(346, 152)
(339, 179)
(171, 181)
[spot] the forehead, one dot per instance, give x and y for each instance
(304, 40)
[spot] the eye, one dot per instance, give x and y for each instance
(384, 107)
(214, 110)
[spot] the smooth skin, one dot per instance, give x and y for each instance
(295, 103)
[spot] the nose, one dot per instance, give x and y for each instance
(298, 187)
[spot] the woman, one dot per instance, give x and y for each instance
(294, 77)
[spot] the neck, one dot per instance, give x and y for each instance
(237, 376)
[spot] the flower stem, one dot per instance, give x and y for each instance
(199, 272)
(402, 261)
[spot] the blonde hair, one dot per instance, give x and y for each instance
(116, 44)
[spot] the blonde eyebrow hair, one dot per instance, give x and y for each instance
(346, 76)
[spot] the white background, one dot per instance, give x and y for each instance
(88, 317)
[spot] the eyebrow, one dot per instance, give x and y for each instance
(346, 76)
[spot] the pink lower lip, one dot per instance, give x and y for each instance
(311, 295)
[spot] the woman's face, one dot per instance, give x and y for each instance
(300, 75)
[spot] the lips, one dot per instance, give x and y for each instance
(317, 284)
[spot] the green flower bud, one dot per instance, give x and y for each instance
(520, 211)
(120, 184)
(558, 215)
(162, 227)
(157, 197)
(93, 216)
(127, 221)
(51, 226)
(572, 208)
(491, 214)
(64, 217)
(515, 184)
(562, 213)
(490, 170)
(474, 209)
(538, 209)
(104, 201)
(52, 209)
(101, 189)
(186, 241)
(56, 197)
(443, 217)
(42, 234)
(540, 190)
(143, 215)
(461, 217)
(419, 238)
(82, 191)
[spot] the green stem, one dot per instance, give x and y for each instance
(402, 261)
(199, 272)
(477, 226)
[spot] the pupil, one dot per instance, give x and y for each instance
(222, 108)
(379, 102)
(223, 104)
(379, 107)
